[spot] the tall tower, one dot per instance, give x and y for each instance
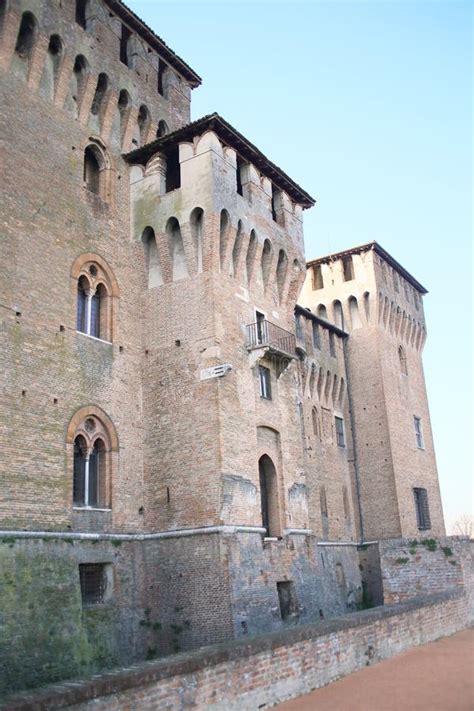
(366, 292)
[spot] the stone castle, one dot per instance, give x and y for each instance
(202, 434)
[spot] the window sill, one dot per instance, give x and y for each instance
(94, 338)
(89, 508)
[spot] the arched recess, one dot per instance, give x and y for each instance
(96, 170)
(367, 306)
(176, 247)
(92, 458)
(122, 114)
(98, 102)
(281, 270)
(25, 44)
(338, 314)
(327, 388)
(77, 85)
(92, 280)
(266, 262)
(386, 311)
(269, 497)
(312, 380)
(236, 250)
(342, 394)
(354, 313)
(224, 230)
(143, 121)
(296, 281)
(52, 67)
(250, 256)
(152, 258)
(162, 129)
(197, 232)
(320, 384)
(322, 312)
(316, 424)
(402, 359)
(334, 390)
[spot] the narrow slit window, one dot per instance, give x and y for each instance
(265, 383)
(317, 277)
(423, 520)
(348, 268)
(340, 436)
(420, 442)
(124, 38)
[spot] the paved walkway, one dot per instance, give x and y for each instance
(435, 677)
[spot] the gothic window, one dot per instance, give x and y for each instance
(25, 43)
(322, 312)
(91, 464)
(95, 170)
(95, 292)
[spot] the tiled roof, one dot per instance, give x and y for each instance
(231, 137)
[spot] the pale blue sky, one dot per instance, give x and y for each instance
(367, 105)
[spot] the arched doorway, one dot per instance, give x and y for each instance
(269, 496)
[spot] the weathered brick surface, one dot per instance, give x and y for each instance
(266, 670)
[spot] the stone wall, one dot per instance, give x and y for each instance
(265, 670)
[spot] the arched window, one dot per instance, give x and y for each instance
(224, 230)
(338, 314)
(143, 123)
(402, 357)
(77, 85)
(123, 106)
(94, 444)
(269, 496)
(354, 312)
(236, 249)
(250, 257)
(99, 95)
(152, 260)
(52, 65)
(176, 247)
(322, 312)
(162, 129)
(95, 170)
(282, 268)
(197, 220)
(96, 290)
(25, 44)
(266, 262)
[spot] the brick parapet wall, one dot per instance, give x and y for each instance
(266, 669)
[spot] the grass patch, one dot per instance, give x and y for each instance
(447, 551)
(401, 561)
(430, 544)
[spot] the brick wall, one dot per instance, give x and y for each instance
(265, 670)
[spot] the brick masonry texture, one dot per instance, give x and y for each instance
(266, 670)
(186, 270)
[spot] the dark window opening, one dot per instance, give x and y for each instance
(81, 13)
(79, 471)
(317, 277)
(161, 71)
(94, 583)
(81, 305)
(287, 599)
(269, 496)
(332, 344)
(26, 36)
(348, 268)
(240, 163)
(265, 382)
(162, 129)
(124, 37)
(340, 438)
(423, 520)
(101, 88)
(94, 329)
(173, 170)
(91, 171)
(276, 194)
(316, 335)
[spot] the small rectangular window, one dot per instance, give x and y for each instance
(420, 442)
(265, 382)
(240, 163)
(125, 36)
(332, 344)
(423, 520)
(96, 583)
(348, 268)
(340, 438)
(317, 277)
(316, 335)
(287, 599)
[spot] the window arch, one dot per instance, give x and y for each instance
(250, 256)
(236, 249)
(95, 294)
(95, 170)
(270, 509)
(176, 247)
(92, 451)
(224, 230)
(162, 129)
(282, 268)
(82, 13)
(322, 312)
(25, 43)
(77, 84)
(266, 262)
(197, 220)
(354, 313)
(99, 95)
(402, 357)
(338, 314)
(52, 66)
(143, 123)
(123, 108)
(152, 259)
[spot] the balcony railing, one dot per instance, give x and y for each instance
(266, 334)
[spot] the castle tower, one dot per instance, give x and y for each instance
(372, 297)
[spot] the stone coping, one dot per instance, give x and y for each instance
(77, 691)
